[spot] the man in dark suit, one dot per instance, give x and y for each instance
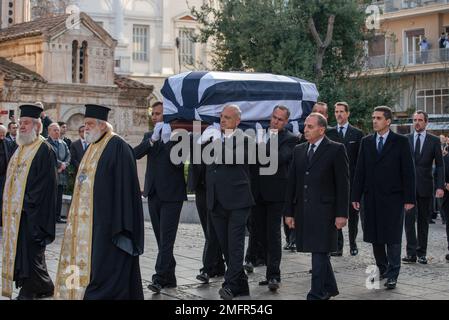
(77, 149)
(385, 178)
(426, 151)
(269, 194)
(11, 136)
(6, 151)
(63, 127)
(445, 202)
(230, 199)
(317, 201)
(213, 262)
(350, 136)
(166, 191)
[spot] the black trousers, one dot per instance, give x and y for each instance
(323, 278)
(417, 243)
(268, 218)
(445, 212)
(59, 201)
(290, 234)
(165, 220)
(230, 227)
(213, 262)
(353, 228)
(388, 259)
(30, 271)
(255, 252)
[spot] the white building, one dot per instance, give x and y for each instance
(153, 37)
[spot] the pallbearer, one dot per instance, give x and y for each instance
(104, 233)
(29, 207)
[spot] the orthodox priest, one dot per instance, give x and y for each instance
(29, 207)
(104, 233)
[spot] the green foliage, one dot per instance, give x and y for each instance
(274, 36)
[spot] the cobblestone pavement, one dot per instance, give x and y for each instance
(415, 282)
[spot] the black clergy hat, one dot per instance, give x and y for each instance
(97, 112)
(30, 110)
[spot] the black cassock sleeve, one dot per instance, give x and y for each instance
(127, 211)
(39, 204)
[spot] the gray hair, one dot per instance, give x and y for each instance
(3, 128)
(109, 127)
(321, 120)
(236, 108)
(38, 123)
(53, 124)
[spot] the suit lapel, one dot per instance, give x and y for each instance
(387, 146)
(319, 152)
(425, 145)
(348, 134)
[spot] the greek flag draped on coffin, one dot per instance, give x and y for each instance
(201, 95)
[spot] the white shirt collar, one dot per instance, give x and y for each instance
(345, 126)
(317, 144)
(385, 136)
(423, 134)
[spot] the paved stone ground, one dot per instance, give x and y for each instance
(415, 282)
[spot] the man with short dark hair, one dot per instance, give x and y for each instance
(350, 136)
(78, 148)
(269, 194)
(317, 201)
(11, 136)
(63, 128)
(427, 151)
(385, 178)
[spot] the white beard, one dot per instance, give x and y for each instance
(93, 136)
(25, 139)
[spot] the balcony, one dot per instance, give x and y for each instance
(416, 60)
(390, 6)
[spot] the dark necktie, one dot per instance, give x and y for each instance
(310, 153)
(418, 146)
(340, 133)
(380, 145)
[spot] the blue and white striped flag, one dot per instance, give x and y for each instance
(201, 95)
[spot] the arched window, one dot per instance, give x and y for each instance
(74, 61)
(83, 63)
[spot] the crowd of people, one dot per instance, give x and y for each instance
(326, 178)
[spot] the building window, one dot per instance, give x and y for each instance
(433, 101)
(83, 63)
(74, 61)
(186, 47)
(140, 43)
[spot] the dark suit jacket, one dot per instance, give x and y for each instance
(162, 177)
(430, 152)
(351, 140)
(387, 182)
(76, 153)
(12, 143)
(317, 193)
(271, 188)
(230, 184)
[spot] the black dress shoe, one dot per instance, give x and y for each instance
(248, 267)
(354, 252)
(24, 298)
(293, 247)
(273, 284)
(45, 295)
(263, 283)
(287, 246)
(155, 286)
(259, 263)
(422, 260)
(431, 221)
(409, 259)
(390, 284)
(60, 220)
(203, 277)
(337, 254)
(447, 257)
(227, 294)
(214, 274)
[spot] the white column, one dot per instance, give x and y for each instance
(167, 47)
(118, 26)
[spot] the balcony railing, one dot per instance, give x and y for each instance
(389, 6)
(407, 59)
